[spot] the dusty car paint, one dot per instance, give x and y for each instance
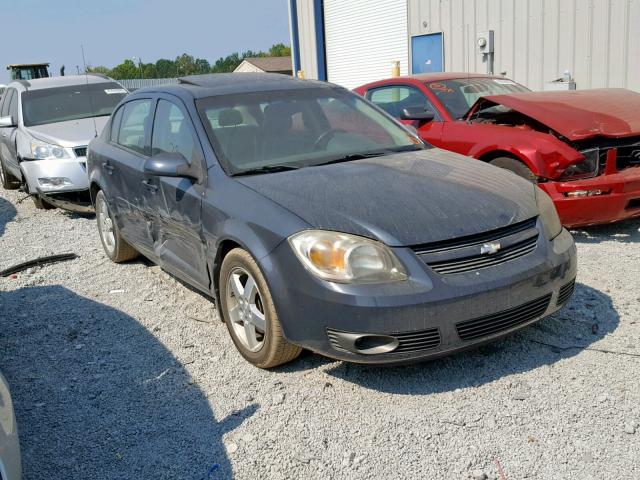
(552, 130)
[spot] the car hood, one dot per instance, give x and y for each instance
(577, 114)
(403, 199)
(71, 133)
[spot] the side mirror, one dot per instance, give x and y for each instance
(421, 114)
(8, 121)
(169, 165)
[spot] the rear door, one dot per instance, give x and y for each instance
(176, 202)
(123, 167)
(394, 98)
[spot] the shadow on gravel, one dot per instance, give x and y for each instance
(7, 212)
(562, 335)
(624, 232)
(98, 397)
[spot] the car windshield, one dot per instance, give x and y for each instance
(51, 105)
(263, 132)
(459, 95)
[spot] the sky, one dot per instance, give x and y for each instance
(113, 30)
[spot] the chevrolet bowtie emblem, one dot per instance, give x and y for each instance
(490, 248)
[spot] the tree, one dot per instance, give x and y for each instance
(280, 50)
(125, 70)
(165, 68)
(99, 69)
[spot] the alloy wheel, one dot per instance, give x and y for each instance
(246, 310)
(106, 225)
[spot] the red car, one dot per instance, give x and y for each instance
(582, 147)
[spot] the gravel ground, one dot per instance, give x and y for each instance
(120, 371)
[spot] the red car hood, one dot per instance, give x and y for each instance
(578, 114)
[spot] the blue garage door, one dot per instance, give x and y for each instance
(426, 53)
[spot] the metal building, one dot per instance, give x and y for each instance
(532, 41)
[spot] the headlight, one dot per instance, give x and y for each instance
(339, 257)
(586, 168)
(548, 215)
(45, 151)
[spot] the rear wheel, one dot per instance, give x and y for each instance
(41, 204)
(250, 314)
(516, 166)
(116, 247)
(9, 182)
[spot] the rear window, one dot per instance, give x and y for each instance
(60, 104)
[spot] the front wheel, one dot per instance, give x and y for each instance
(249, 312)
(8, 181)
(116, 247)
(515, 166)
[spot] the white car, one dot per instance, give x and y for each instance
(45, 127)
(10, 466)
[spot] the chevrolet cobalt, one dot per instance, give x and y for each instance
(317, 221)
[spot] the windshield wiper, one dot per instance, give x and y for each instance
(266, 169)
(378, 153)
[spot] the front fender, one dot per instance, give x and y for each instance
(545, 155)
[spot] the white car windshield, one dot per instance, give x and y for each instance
(60, 104)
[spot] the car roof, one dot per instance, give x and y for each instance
(66, 81)
(428, 77)
(215, 84)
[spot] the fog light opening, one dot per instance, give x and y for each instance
(375, 344)
(586, 193)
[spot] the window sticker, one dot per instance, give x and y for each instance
(112, 91)
(440, 87)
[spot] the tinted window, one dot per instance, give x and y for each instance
(393, 99)
(9, 94)
(115, 125)
(50, 105)
(457, 96)
(172, 131)
(300, 128)
(134, 126)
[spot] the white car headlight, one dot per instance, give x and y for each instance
(344, 258)
(46, 151)
(548, 214)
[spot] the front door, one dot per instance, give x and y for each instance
(426, 53)
(8, 134)
(176, 202)
(394, 98)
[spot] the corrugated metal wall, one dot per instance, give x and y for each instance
(598, 41)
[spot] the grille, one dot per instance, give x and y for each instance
(464, 254)
(417, 341)
(498, 322)
(482, 261)
(479, 238)
(628, 156)
(80, 151)
(565, 292)
(407, 342)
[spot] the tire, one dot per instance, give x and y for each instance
(116, 247)
(8, 181)
(41, 204)
(270, 348)
(516, 166)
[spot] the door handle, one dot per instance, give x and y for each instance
(108, 167)
(150, 186)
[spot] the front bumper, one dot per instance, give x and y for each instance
(73, 195)
(324, 317)
(620, 201)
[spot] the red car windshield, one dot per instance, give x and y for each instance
(458, 95)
